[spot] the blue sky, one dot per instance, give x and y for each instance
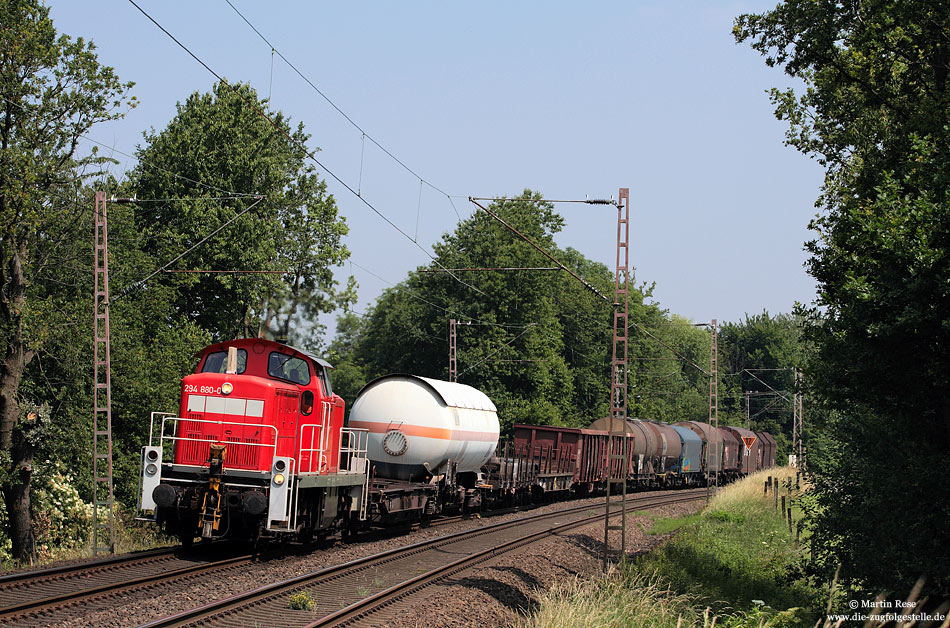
(485, 99)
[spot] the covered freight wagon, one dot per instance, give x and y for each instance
(644, 449)
(711, 456)
(689, 464)
(749, 444)
(669, 445)
(767, 450)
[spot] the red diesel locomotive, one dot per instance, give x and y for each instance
(258, 448)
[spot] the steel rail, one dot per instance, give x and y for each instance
(63, 570)
(32, 608)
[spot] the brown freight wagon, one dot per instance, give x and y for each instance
(731, 446)
(749, 444)
(546, 456)
(767, 451)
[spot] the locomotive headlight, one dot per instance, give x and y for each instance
(279, 479)
(226, 388)
(151, 469)
(152, 455)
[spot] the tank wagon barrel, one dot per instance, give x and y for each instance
(428, 440)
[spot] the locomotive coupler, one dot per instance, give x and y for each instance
(211, 504)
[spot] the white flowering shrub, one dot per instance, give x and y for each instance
(62, 521)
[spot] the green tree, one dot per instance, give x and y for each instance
(349, 374)
(770, 348)
(875, 114)
(511, 341)
(218, 146)
(53, 90)
(665, 386)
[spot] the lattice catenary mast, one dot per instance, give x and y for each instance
(453, 363)
(618, 381)
(103, 529)
(797, 447)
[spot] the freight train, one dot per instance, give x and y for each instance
(259, 448)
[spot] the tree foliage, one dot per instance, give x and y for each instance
(215, 159)
(875, 114)
(758, 358)
(217, 147)
(52, 90)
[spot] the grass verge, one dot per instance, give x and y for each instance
(735, 564)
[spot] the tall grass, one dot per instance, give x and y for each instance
(739, 550)
(620, 598)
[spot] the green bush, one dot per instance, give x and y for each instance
(301, 601)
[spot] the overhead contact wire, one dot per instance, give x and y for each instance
(411, 293)
(331, 103)
(306, 150)
(586, 283)
(138, 284)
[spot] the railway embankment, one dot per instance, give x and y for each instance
(738, 562)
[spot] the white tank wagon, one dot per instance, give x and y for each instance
(418, 426)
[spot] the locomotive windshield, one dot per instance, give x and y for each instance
(325, 380)
(283, 366)
(217, 362)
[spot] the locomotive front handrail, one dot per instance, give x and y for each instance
(167, 418)
(151, 426)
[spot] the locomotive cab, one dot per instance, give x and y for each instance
(258, 447)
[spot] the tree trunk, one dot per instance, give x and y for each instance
(16, 496)
(16, 490)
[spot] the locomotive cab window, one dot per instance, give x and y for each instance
(306, 402)
(283, 366)
(217, 362)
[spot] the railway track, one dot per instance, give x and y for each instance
(40, 597)
(350, 593)
(37, 598)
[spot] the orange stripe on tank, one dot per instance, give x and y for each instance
(427, 432)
